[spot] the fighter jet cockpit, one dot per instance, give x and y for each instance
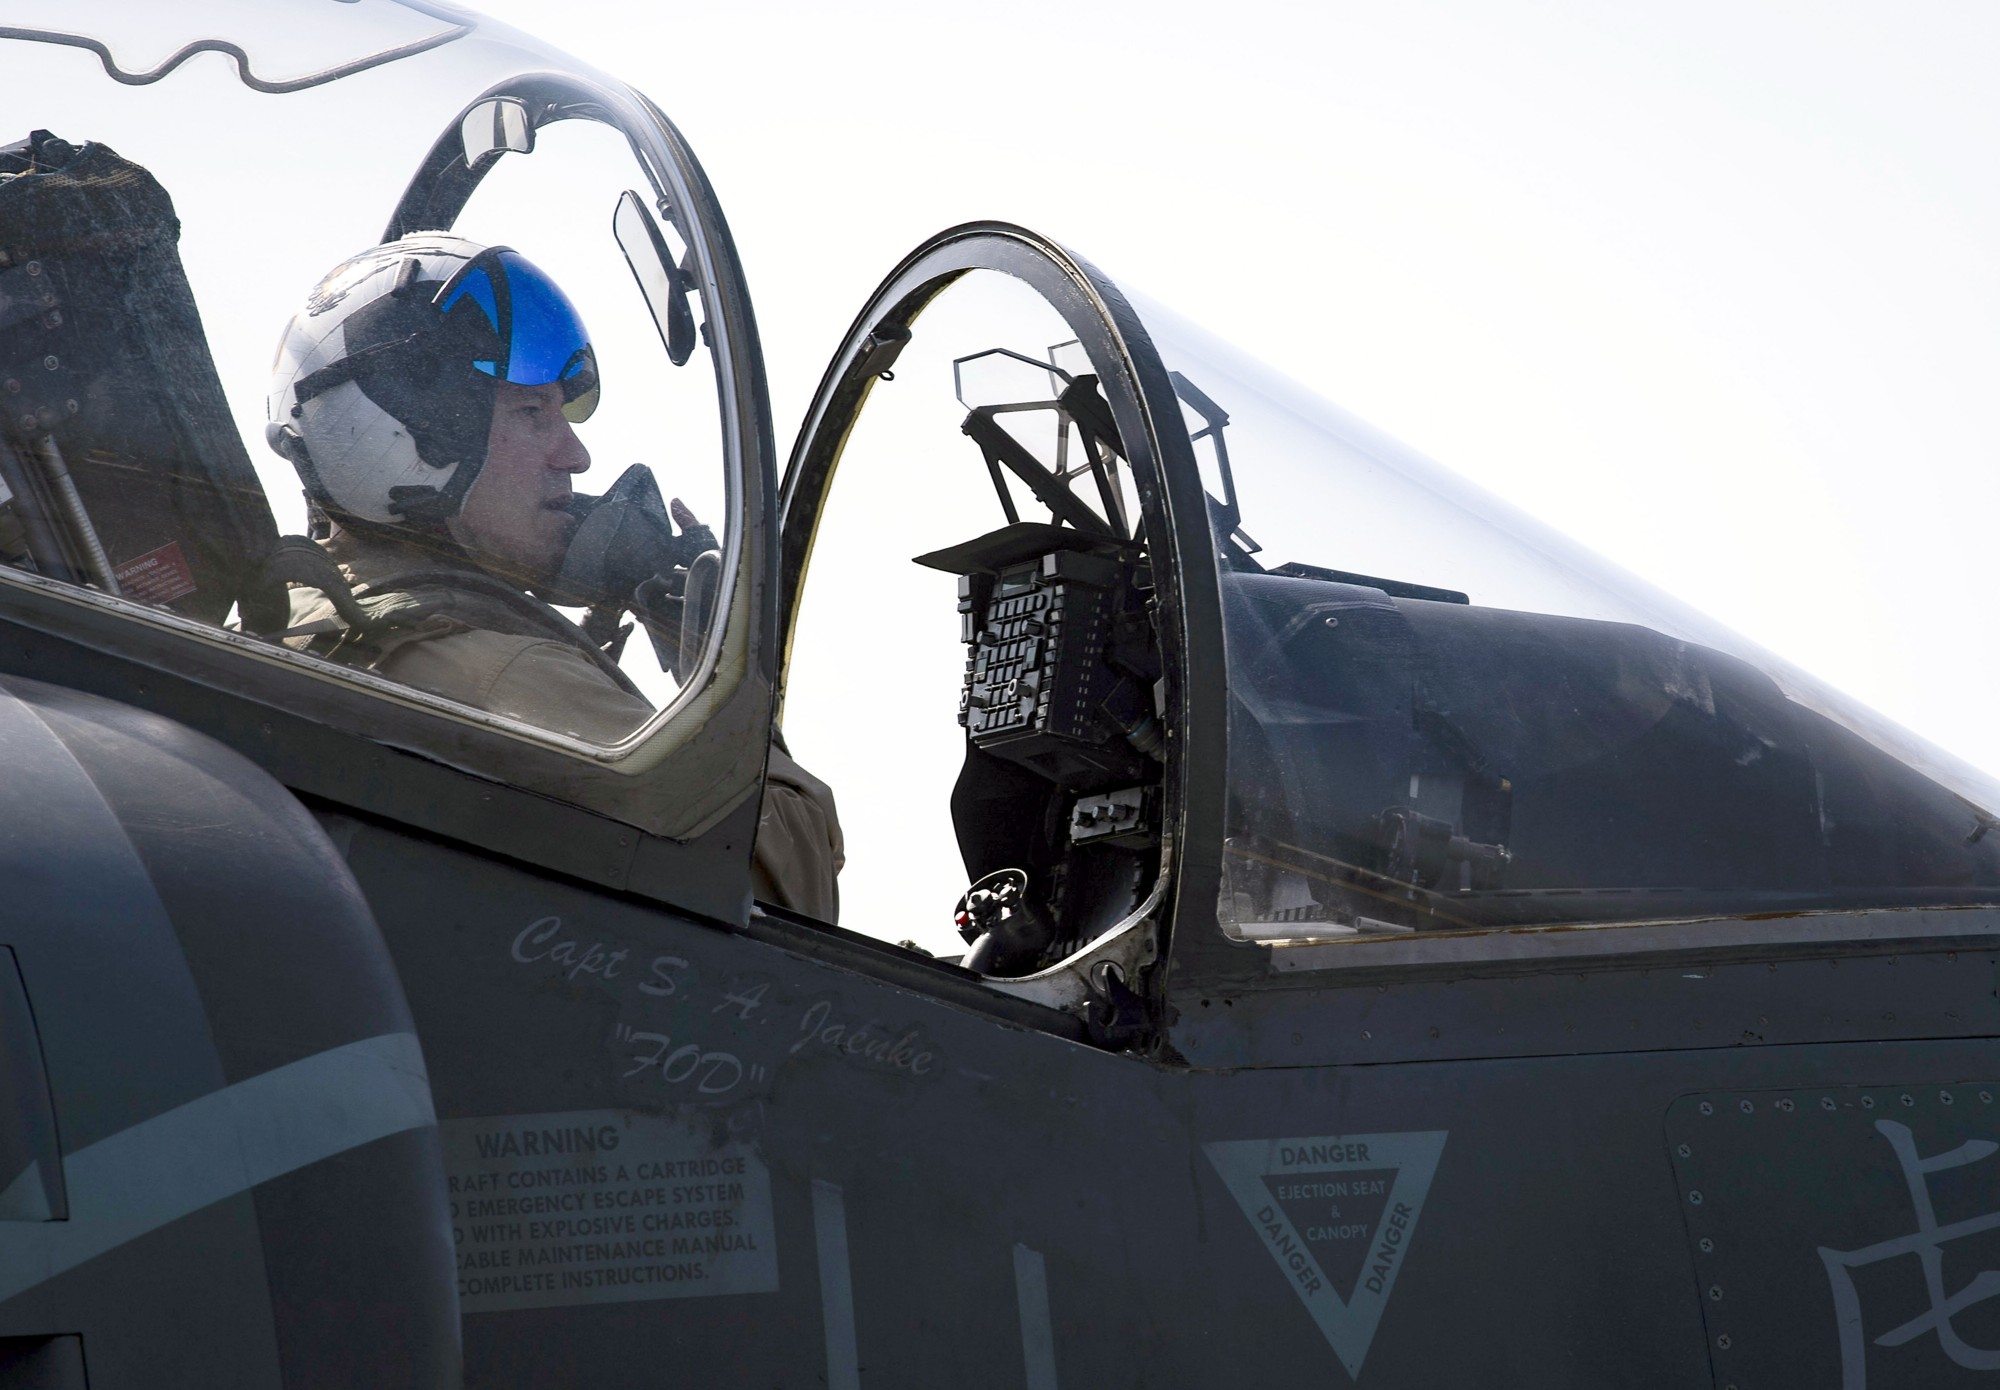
(1255, 838)
(1192, 620)
(1100, 631)
(1015, 655)
(492, 475)
(1445, 716)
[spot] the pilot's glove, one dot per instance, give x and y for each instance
(695, 538)
(676, 603)
(631, 551)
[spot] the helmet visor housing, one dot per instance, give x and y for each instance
(539, 335)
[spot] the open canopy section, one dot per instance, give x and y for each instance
(1445, 715)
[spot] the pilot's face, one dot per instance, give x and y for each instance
(515, 518)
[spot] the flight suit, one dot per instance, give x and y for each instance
(458, 633)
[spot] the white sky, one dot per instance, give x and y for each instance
(1713, 287)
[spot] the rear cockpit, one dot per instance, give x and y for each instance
(145, 274)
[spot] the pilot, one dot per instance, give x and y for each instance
(427, 394)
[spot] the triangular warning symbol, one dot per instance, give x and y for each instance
(1337, 1213)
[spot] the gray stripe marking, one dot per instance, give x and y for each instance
(836, 1287)
(228, 1141)
(1038, 1336)
(27, 1197)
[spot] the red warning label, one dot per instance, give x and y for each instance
(158, 576)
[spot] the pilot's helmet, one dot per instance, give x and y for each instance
(382, 395)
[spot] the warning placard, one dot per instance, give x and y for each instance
(158, 576)
(1337, 1213)
(603, 1206)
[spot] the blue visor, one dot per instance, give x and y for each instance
(538, 336)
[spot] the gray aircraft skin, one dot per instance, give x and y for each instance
(1377, 975)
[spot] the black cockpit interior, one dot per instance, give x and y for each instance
(1057, 808)
(1436, 764)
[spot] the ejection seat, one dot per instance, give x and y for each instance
(120, 467)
